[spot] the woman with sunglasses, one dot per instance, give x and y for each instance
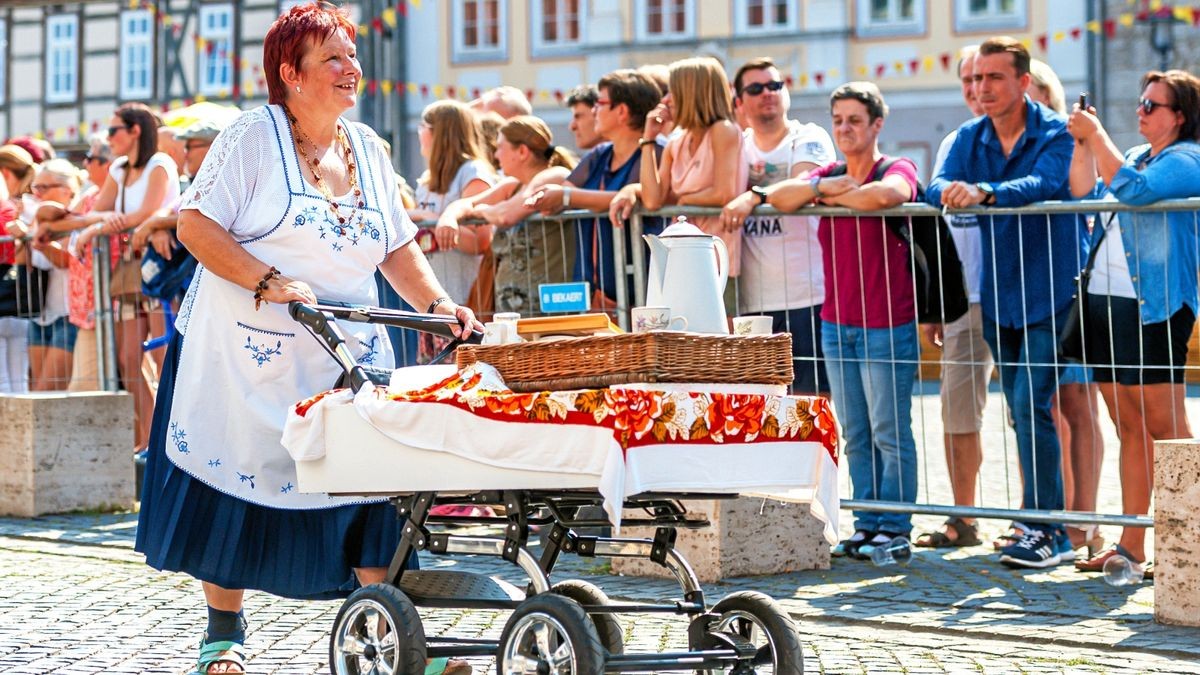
(1142, 292)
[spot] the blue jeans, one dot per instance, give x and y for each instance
(1027, 391)
(871, 376)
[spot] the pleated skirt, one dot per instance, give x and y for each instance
(187, 526)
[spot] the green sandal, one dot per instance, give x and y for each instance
(222, 651)
(446, 666)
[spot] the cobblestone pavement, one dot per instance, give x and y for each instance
(75, 598)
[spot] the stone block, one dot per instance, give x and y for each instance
(65, 452)
(748, 537)
(1176, 523)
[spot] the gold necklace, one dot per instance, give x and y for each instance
(322, 187)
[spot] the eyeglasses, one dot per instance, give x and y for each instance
(112, 131)
(44, 187)
(758, 87)
(603, 102)
(1148, 106)
(188, 147)
(88, 158)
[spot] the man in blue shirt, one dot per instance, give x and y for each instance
(1018, 153)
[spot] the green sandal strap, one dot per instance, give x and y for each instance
(436, 666)
(222, 651)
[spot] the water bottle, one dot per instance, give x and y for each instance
(1121, 571)
(896, 552)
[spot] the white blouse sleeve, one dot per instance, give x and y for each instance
(234, 170)
(395, 216)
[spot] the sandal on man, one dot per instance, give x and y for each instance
(447, 666)
(965, 534)
(222, 651)
(1019, 530)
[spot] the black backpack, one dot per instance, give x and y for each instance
(941, 288)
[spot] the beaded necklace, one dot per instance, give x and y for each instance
(322, 187)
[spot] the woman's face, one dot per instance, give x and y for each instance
(1161, 124)
(51, 187)
(508, 155)
(122, 138)
(329, 75)
(425, 137)
(1038, 94)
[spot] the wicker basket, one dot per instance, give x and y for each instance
(604, 360)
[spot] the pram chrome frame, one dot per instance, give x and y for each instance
(720, 638)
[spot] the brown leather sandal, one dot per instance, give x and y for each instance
(965, 533)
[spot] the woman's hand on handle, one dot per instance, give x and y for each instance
(283, 289)
(467, 323)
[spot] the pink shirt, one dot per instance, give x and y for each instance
(868, 282)
(693, 172)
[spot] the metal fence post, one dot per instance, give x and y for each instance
(106, 362)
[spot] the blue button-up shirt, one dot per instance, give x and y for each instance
(1029, 261)
(1160, 247)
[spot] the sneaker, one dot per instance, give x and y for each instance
(849, 547)
(880, 540)
(1036, 549)
(1062, 542)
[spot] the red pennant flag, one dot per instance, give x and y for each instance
(475, 92)
(788, 81)
(1042, 40)
(377, 24)
(529, 94)
(187, 101)
(914, 66)
(237, 91)
(371, 84)
(945, 58)
(261, 82)
(96, 125)
(424, 90)
(165, 107)
(71, 130)
(880, 70)
(1075, 33)
(402, 8)
(558, 95)
(208, 48)
(1110, 28)
(451, 90)
(819, 77)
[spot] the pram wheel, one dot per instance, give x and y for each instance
(612, 636)
(549, 634)
(758, 618)
(377, 630)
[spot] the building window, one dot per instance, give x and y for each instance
(62, 58)
(216, 49)
(3, 61)
(557, 24)
(665, 19)
(973, 15)
(137, 54)
(765, 16)
(287, 5)
(883, 18)
(480, 30)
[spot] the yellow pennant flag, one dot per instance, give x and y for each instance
(862, 71)
(386, 86)
(200, 98)
(437, 90)
(415, 3)
(833, 72)
(899, 66)
(803, 79)
(927, 63)
(1184, 14)
(412, 87)
(1059, 36)
(1027, 43)
(1093, 26)
(1126, 20)
(389, 17)
(1155, 5)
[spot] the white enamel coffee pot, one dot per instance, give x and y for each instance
(688, 273)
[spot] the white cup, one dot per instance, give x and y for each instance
(752, 325)
(656, 318)
(506, 317)
(499, 333)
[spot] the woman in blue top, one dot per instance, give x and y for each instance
(1143, 284)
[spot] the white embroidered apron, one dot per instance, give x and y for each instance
(240, 370)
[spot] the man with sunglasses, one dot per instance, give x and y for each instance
(1017, 153)
(781, 257)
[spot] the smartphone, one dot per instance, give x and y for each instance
(1083, 102)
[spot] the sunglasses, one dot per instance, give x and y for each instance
(46, 186)
(1148, 106)
(94, 158)
(112, 131)
(758, 87)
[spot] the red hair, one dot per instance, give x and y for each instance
(289, 38)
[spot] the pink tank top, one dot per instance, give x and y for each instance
(693, 172)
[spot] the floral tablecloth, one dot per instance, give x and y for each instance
(632, 440)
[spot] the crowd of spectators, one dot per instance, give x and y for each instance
(841, 285)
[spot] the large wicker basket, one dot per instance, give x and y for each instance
(604, 360)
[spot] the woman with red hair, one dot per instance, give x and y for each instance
(294, 202)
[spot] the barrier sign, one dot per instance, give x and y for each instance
(571, 297)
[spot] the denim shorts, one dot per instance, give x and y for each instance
(59, 334)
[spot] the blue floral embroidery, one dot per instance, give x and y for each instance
(368, 357)
(177, 437)
(261, 354)
(214, 462)
(245, 479)
(308, 215)
(337, 234)
(287, 488)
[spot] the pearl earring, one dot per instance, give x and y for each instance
(297, 89)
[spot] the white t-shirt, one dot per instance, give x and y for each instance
(136, 192)
(55, 305)
(455, 269)
(1110, 273)
(964, 229)
(781, 256)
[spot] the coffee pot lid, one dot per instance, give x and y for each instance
(682, 228)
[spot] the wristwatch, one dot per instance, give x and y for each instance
(761, 192)
(989, 193)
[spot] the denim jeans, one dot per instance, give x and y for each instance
(871, 376)
(1027, 391)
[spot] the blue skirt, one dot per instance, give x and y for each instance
(186, 526)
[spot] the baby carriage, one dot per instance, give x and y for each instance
(360, 441)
